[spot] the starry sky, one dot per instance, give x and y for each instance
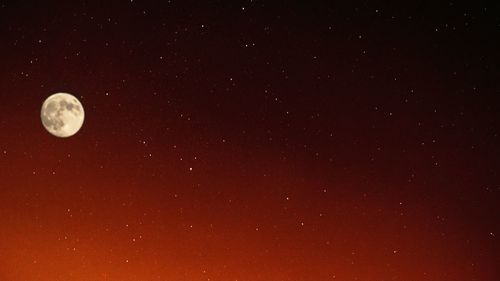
(251, 140)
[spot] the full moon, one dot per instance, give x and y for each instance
(62, 115)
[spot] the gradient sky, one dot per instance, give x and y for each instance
(251, 140)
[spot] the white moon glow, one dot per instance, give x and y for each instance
(62, 115)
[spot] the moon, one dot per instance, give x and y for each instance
(62, 115)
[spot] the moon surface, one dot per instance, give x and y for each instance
(62, 115)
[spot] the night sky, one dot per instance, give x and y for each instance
(251, 140)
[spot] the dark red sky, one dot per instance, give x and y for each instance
(251, 140)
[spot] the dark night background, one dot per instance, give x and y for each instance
(251, 140)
